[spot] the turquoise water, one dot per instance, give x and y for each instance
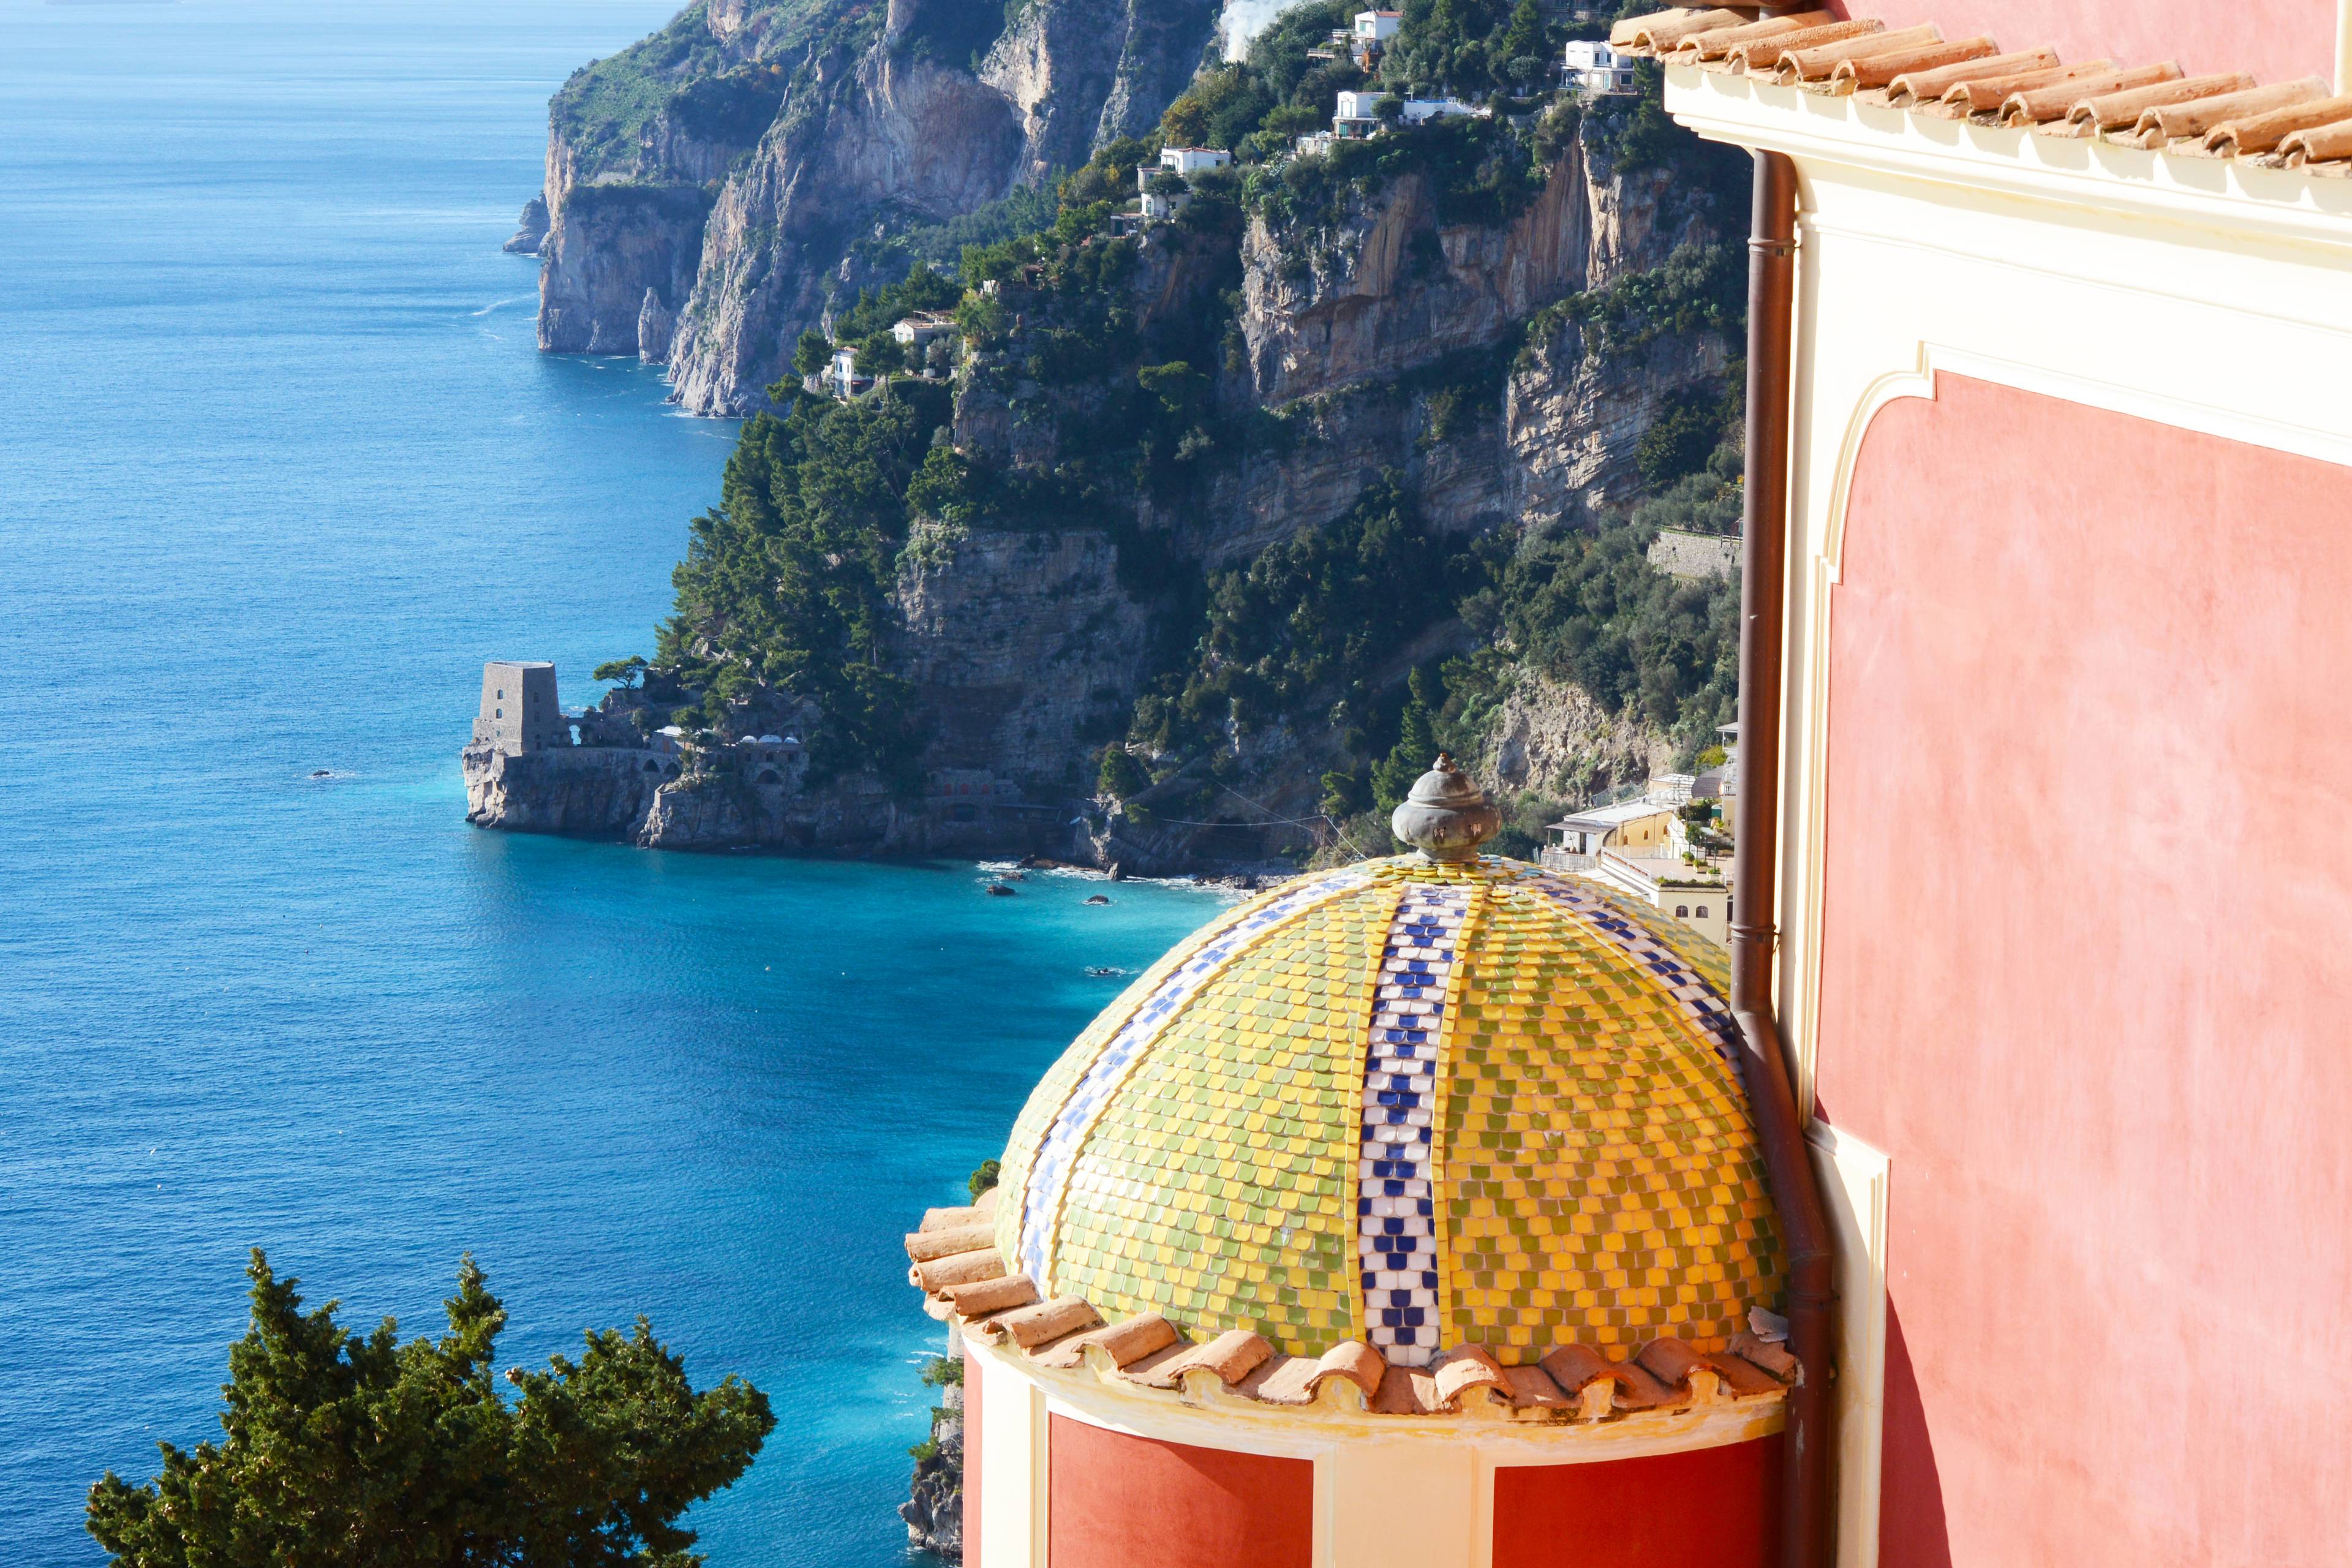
(279, 466)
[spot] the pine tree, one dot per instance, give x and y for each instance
(345, 1451)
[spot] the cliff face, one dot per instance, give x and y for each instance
(1022, 645)
(786, 130)
(1393, 287)
(1497, 378)
(1079, 75)
(895, 128)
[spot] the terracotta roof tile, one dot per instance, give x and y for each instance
(1138, 1337)
(1408, 1391)
(1229, 1358)
(2263, 132)
(2321, 143)
(944, 1219)
(1030, 1327)
(922, 1245)
(1926, 86)
(1763, 56)
(982, 1297)
(958, 1268)
(1665, 28)
(1770, 1355)
(2165, 123)
(2116, 110)
(1239, 1367)
(1879, 69)
(1533, 1389)
(1820, 62)
(2052, 104)
(1721, 41)
(1357, 1361)
(2149, 106)
(1468, 1370)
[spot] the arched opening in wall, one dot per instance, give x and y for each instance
(653, 767)
(768, 776)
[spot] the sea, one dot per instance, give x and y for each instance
(280, 466)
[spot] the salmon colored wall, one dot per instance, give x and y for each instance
(2277, 40)
(971, 1448)
(1116, 1501)
(2085, 978)
(1707, 1508)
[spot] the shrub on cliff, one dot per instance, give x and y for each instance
(344, 1449)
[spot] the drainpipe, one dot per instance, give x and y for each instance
(1804, 1539)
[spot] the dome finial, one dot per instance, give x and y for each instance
(1447, 817)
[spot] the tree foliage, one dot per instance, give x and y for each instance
(343, 1450)
(786, 583)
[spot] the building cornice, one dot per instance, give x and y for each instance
(2073, 180)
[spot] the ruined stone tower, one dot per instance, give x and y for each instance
(520, 713)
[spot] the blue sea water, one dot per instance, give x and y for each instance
(280, 466)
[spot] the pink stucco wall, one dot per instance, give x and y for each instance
(2087, 976)
(2277, 40)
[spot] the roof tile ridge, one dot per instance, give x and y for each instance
(934, 1276)
(2263, 133)
(923, 1245)
(1879, 69)
(1817, 63)
(1984, 96)
(1470, 1379)
(2055, 102)
(1666, 29)
(2110, 109)
(1113, 1347)
(1721, 41)
(1910, 88)
(2319, 144)
(1763, 56)
(2167, 123)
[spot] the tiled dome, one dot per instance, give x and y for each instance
(1414, 1104)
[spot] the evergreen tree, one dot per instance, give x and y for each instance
(348, 1451)
(1416, 747)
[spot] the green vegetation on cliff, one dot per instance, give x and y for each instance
(1099, 386)
(786, 582)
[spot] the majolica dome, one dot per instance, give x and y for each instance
(1414, 1103)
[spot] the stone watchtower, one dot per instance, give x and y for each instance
(518, 709)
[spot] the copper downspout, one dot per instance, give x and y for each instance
(1779, 1125)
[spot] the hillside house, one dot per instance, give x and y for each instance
(1698, 895)
(1357, 116)
(1595, 70)
(841, 375)
(1633, 825)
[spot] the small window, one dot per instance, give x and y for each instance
(1681, 912)
(501, 713)
(502, 693)
(1702, 911)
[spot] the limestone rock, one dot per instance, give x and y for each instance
(529, 230)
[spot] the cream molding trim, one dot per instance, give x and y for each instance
(1305, 1434)
(2226, 194)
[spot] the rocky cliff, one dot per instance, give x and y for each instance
(703, 187)
(1501, 374)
